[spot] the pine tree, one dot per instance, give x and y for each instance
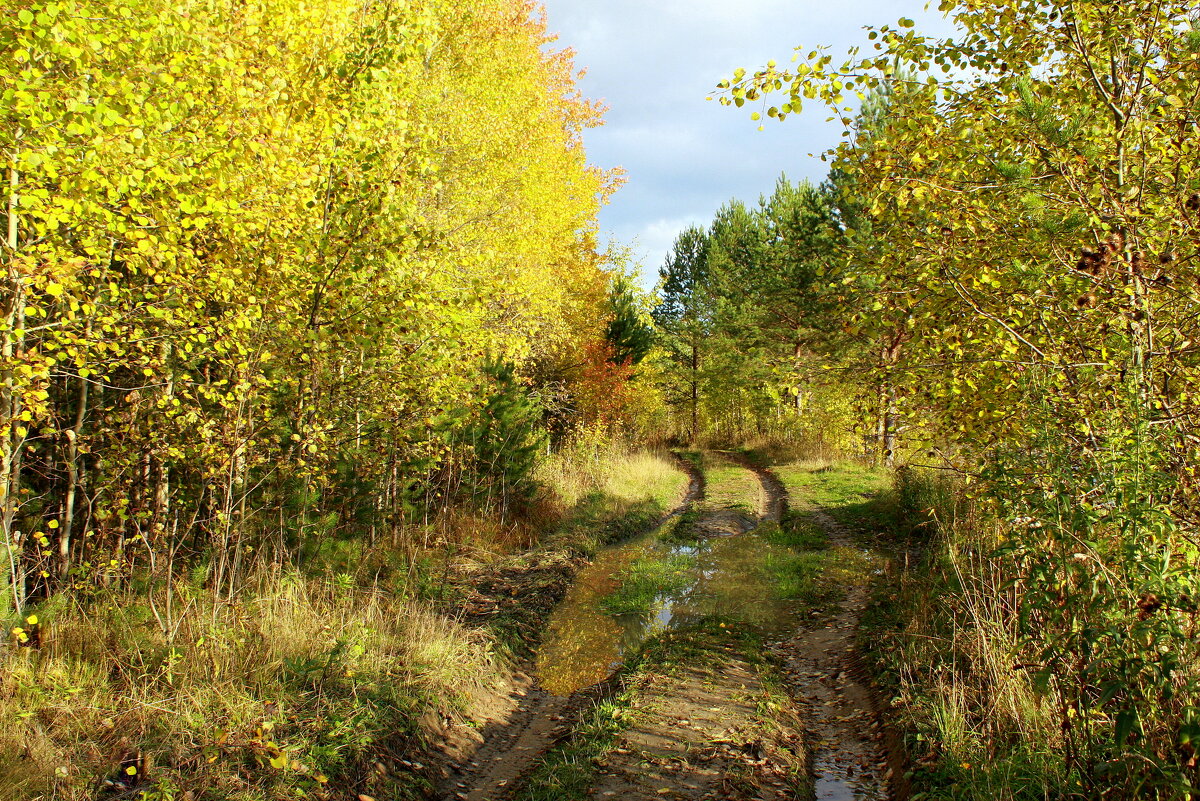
(628, 332)
(684, 320)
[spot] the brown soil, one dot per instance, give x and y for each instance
(850, 759)
(518, 727)
(698, 734)
(724, 523)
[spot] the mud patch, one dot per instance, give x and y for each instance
(850, 760)
(487, 757)
(703, 717)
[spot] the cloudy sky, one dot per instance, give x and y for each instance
(654, 62)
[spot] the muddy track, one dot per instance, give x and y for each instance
(852, 755)
(523, 723)
(697, 733)
(774, 500)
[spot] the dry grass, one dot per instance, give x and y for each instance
(956, 663)
(295, 690)
(304, 686)
(590, 464)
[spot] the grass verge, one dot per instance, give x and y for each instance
(938, 640)
(299, 690)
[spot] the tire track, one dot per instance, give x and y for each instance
(852, 759)
(527, 721)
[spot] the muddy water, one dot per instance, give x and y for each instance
(729, 577)
(583, 643)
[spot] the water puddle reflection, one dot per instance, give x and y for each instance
(837, 782)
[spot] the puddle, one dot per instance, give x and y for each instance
(583, 644)
(835, 782)
(729, 577)
(732, 575)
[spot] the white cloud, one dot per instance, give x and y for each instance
(654, 63)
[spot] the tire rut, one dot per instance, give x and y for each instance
(697, 735)
(527, 721)
(852, 755)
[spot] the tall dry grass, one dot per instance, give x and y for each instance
(307, 684)
(592, 462)
(957, 663)
(297, 689)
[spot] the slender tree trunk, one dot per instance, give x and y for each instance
(885, 438)
(695, 392)
(889, 426)
(880, 420)
(162, 470)
(11, 441)
(73, 479)
(797, 362)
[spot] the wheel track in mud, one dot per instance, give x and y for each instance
(695, 727)
(527, 720)
(855, 755)
(851, 754)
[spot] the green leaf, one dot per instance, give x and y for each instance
(1125, 722)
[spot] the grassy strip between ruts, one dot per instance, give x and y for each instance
(728, 485)
(647, 579)
(571, 769)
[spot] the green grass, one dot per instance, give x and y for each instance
(728, 485)
(567, 773)
(796, 530)
(835, 484)
(647, 579)
(857, 496)
(681, 529)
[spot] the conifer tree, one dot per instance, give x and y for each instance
(685, 321)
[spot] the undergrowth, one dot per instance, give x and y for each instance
(324, 681)
(1035, 654)
(298, 689)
